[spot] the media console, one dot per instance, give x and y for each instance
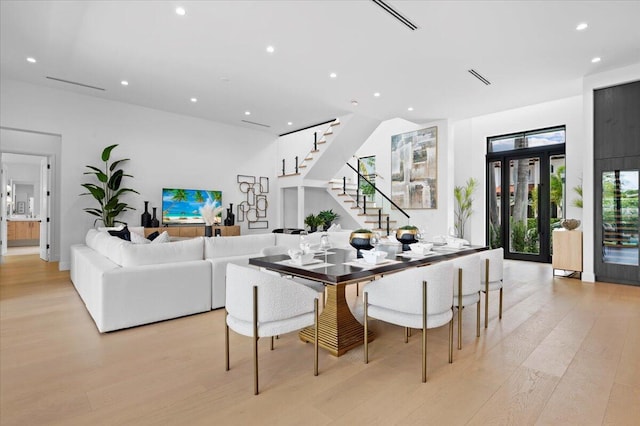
(194, 231)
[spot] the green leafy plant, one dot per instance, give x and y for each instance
(578, 201)
(313, 221)
(464, 201)
(327, 216)
(363, 231)
(107, 191)
(410, 227)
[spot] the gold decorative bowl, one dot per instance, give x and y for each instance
(569, 224)
(406, 237)
(360, 241)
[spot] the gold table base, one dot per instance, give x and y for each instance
(338, 330)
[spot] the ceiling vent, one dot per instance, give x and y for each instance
(76, 83)
(254, 123)
(397, 15)
(477, 75)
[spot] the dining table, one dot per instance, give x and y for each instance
(338, 329)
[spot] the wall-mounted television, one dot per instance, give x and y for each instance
(182, 206)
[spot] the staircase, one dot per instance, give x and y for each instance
(299, 168)
(370, 215)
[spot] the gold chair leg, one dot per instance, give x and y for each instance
(255, 340)
(451, 338)
(357, 289)
(226, 341)
(486, 293)
(315, 338)
(406, 334)
(366, 329)
(500, 314)
(424, 331)
(478, 316)
(459, 308)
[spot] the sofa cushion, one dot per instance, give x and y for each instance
(123, 233)
(139, 239)
(236, 246)
(108, 246)
(153, 254)
(162, 238)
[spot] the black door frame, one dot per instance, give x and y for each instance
(544, 153)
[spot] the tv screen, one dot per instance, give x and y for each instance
(182, 206)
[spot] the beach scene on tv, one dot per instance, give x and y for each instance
(182, 206)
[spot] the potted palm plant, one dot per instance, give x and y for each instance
(327, 217)
(313, 221)
(463, 209)
(107, 191)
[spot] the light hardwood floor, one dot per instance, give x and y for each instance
(565, 352)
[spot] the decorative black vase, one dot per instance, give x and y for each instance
(154, 220)
(360, 241)
(145, 218)
(231, 218)
(406, 237)
(208, 231)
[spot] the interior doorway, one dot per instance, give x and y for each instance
(526, 192)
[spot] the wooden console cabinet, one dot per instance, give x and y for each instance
(567, 250)
(194, 231)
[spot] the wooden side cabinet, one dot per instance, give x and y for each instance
(194, 231)
(23, 230)
(567, 250)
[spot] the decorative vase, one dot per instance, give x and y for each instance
(231, 218)
(570, 224)
(208, 231)
(360, 241)
(145, 218)
(154, 220)
(406, 237)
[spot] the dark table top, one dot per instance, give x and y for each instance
(338, 272)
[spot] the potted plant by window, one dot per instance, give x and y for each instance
(360, 239)
(107, 191)
(327, 217)
(407, 235)
(464, 200)
(313, 221)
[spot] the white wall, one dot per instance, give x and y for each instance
(434, 221)
(591, 83)
(470, 148)
(166, 150)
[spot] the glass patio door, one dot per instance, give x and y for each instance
(524, 209)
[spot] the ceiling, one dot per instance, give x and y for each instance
(530, 51)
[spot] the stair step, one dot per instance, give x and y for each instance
(314, 151)
(328, 132)
(308, 159)
(290, 174)
(302, 166)
(375, 221)
(335, 123)
(320, 142)
(369, 208)
(372, 214)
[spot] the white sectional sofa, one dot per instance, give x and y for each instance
(124, 284)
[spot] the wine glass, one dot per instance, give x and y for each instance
(304, 243)
(325, 245)
(374, 240)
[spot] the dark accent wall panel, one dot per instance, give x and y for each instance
(617, 121)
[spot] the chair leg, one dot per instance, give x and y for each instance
(366, 329)
(255, 340)
(459, 308)
(357, 289)
(406, 334)
(486, 293)
(451, 337)
(424, 331)
(271, 342)
(500, 314)
(315, 338)
(226, 341)
(478, 316)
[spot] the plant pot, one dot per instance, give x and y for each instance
(406, 237)
(360, 241)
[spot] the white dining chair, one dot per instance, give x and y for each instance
(419, 298)
(263, 305)
(315, 285)
(466, 288)
(492, 272)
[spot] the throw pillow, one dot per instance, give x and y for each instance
(162, 238)
(123, 233)
(152, 236)
(139, 239)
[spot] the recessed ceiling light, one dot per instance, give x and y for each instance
(582, 26)
(247, 113)
(289, 124)
(194, 100)
(596, 60)
(225, 79)
(32, 60)
(410, 109)
(333, 75)
(271, 49)
(377, 94)
(124, 82)
(180, 11)
(354, 102)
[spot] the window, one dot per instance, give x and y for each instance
(531, 139)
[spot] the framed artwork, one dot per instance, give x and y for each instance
(414, 169)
